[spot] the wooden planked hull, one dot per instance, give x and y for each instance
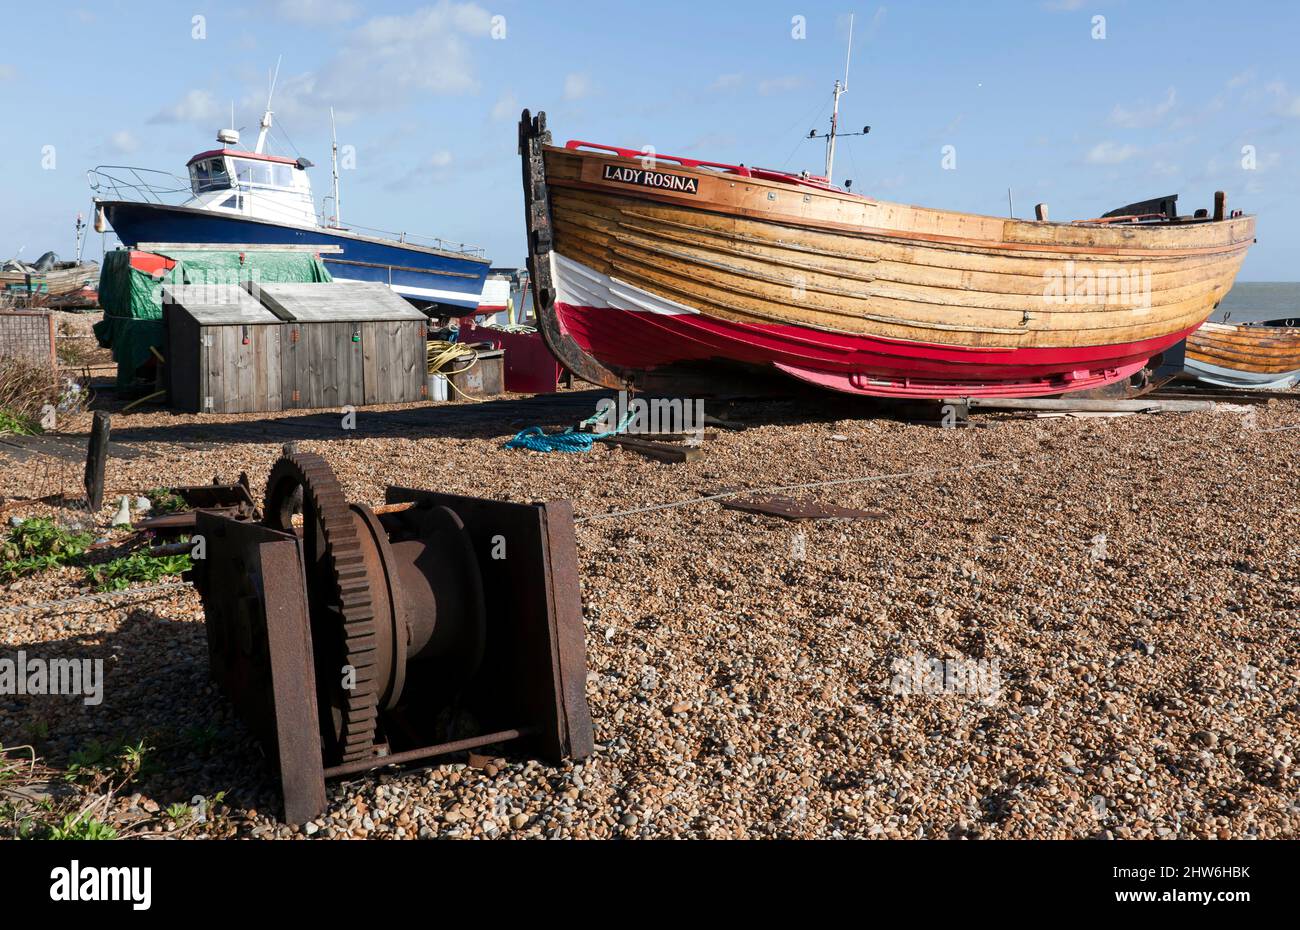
(1255, 355)
(58, 282)
(643, 266)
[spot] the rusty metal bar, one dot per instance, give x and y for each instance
(413, 755)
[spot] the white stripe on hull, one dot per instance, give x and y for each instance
(580, 286)
(428, 293)
(1231, 377)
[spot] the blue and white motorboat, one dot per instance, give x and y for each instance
(235, 197)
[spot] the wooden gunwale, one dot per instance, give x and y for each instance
(965, 243)
(723, 191)
(615, 210)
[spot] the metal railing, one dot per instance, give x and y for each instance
(445, 245)
(144, 185)
(147, 185)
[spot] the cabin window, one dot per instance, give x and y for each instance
(263, 173)
(233, 202)
(209, 175)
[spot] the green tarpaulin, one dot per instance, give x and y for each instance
(132, 299)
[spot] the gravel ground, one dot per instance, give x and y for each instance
(1129, 589)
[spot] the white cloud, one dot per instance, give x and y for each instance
(577, 86)
(434, 169)
(386, 58)
(318, 12)
(1110, 153)
(1288, 104)
(1143, 115)
(506, 107)
(780, 85)
(380, 64)
(197, 106)
(123, 142)
(727, 82)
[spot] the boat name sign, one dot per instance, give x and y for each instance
(673, 182)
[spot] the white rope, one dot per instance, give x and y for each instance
(94, 598)
(795, 487)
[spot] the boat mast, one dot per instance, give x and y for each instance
(835, 112)
(835, 133)
(334, 148)
(81, 235)
(266, 117)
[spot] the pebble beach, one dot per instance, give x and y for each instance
(1128, 589)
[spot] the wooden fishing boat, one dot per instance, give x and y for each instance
(1262, 356)
(60, 281)
(647, 265)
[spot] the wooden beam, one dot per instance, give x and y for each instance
(660, 451)
(1085, 405)
(96, 456)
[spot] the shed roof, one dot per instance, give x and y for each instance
(335, 302)
(217, 304)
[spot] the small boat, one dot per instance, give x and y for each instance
(1260, 356)
(233, 196)
(54, 279)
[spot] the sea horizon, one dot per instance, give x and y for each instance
(1259, 300)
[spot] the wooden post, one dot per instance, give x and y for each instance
(54, 348)
(1040, 212)
(1220, 205)
(96, 456)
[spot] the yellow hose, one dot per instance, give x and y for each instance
(141, 400)
(442, 354)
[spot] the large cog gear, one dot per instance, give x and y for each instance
(343, 620)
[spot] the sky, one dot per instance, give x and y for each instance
(1086, 105)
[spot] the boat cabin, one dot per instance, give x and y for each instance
(252, 184)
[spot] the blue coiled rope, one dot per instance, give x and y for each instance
(571, 440)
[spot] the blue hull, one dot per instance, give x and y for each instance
(421, 275)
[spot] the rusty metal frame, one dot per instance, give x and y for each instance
(530, 690)
(259, 648)
(536, 659)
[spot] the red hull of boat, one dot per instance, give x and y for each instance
(635, 340)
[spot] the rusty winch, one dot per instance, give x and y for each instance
(350, 638)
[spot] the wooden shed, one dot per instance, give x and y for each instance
(223, 350)
(347, 343)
